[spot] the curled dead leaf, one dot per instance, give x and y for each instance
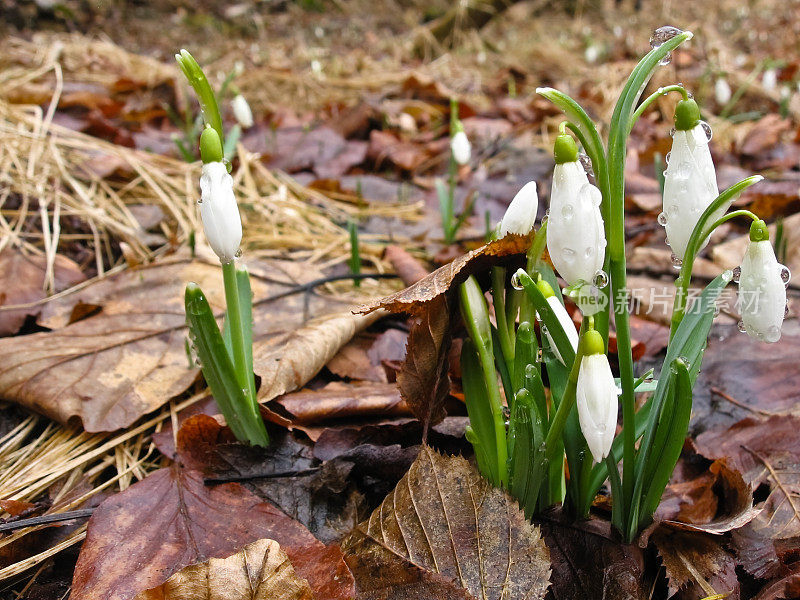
(259, 571)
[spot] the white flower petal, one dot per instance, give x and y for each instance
(762, 292)
(576, 238)
(219, 211)
(566, 324)
(690, 185)
(242, 112)
(460, 146)
(521, 213)
(596, 397)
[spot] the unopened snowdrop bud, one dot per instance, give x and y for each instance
(690, 182)
(770, 80)
(722, 91)
(576, 238)
(242, 112)
(563, 318)
(521, 213)
(218, 209)
(596, 396)
(762, 287)
(460, 147)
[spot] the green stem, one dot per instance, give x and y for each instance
(499, 300)
(205, 94)
(663, 91)
(699, 235)
(234, 316)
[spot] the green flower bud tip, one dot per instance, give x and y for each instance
(759, 231)
(545, 288)
(592, 343)
(210, 145)
(565, 149)
(687, 115)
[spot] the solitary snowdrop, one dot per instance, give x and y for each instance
(722, 91)
(521, 213)
(460, 147)
(242, 112)
(563, 318)
(576, 238)
(218, 209)
(770, 80)
(690, 182)
(596, 396)
(762, 287)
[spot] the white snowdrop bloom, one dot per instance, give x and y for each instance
(219, 211)
(722, 91)
(521, 213)
(762, 289)
(242, 112)
(770, 80)
(592, 53)
(576, 239)
(596, 397)
(460, 147)
(690, 181)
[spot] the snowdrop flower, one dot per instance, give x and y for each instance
(563, 318)
(722, 91)
(242, 112)
(690, 182)
(762, 287)
(218, 208)
(576, 238)
(521, 213)
(770, 80)
(596, 397)
(460, 147)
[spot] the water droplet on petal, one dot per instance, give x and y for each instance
(662, 219)
(773, 333)
(600, 279)
(786, 275)
(568, 254)
(677, 261)
(786, 310)
(567, 211)
(515, 282)
(238, 253)
(668, 157)
(707, 128)
(200, 201)
(741, 327)
(672, 132)
(684, 170)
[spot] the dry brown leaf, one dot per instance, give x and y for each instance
(338, 400)
(22, 281)
(443, 517)
(408, 268)
(414, 298)
(128, 356)
(138, 538)
(696, 565)
(259, 571)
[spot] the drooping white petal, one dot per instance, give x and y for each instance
(690, 185)
(722, 91)
(521, 213)
(460, 146)
(596, 397)
(566, 324)
(219, 211)
(762, 292)
(576, 239)
(242, 112)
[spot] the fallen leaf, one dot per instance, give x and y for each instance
(22, 281)
(138, 538)
(589, 561)
(385, 147)
(259, 571)
(128, 358)
(444, 518)
(764, 134)
(409, 269)
(696, 566)
(338, 400)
